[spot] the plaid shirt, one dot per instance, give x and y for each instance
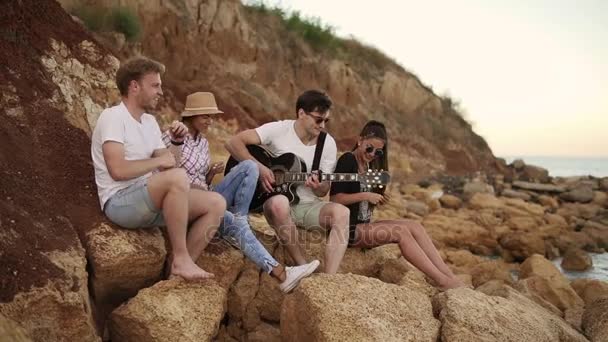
(195, 158)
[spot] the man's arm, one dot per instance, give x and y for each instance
(121, 169)
(237, 146)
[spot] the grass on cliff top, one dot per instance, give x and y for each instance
(120, 19)
(322, 37)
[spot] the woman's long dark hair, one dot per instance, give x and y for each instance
(376, 129)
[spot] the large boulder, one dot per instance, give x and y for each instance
(460, 231)
(523, 245)
(60, 310)
(506, 315)
(595, 320)
(223, 260)
(355, 308)
(172, 310)
(540, 276)
(123, 261)
(590, 289)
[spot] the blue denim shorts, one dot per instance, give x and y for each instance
(132, 207)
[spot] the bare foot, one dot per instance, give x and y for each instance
(188, 270)
(452, 283)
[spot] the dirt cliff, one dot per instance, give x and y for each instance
(256, 66)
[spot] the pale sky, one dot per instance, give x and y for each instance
(531, 75)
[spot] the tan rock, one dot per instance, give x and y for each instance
(415, 280)
(468, 315)
(460, 232)
(491, 270)
(472, 188)
(269, 298)
(535, 174)
(10, 331)
(463, 260)
(517, 207)
(60, 310)
(555, 219)
(243, 291)
(417, 207)
(523, 245)
(484, 201)
(585, 211)
(123, 261)
(603, 183)
(576, 260)
(595, 320)
(265, 333)
(522, 223)
(597, 232)
(450, 201)
(223, 260)
(548, 201)
(590, 289)
(575, 240)
(192, 310)
(600, 198)
(355, 308)
(394, 270)
(544, 279)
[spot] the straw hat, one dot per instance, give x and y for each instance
(200, 103)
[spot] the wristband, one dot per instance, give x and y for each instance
(177, 143)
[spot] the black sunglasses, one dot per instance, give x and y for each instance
(378, 153)
(318, 119)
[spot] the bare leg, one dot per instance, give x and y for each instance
(425, 242)
(334, 216)
(384, 232)
(206, 209)
(169, 191)
(276, 210)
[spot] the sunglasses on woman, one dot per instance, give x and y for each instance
(318, 119)
(377, 151)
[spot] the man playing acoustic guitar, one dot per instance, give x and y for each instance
(300, 138)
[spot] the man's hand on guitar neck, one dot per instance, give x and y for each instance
(318, 188)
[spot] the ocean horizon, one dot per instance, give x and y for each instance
(567, 166)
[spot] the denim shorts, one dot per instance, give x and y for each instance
(132, 207)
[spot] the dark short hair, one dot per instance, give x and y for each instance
(133, 70)
(313, 100)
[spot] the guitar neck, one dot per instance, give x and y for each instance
(300, 177)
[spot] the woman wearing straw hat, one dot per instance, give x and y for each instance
(237, 187)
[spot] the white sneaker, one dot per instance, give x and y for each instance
(297, 273)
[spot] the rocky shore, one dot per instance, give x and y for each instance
(66, 274)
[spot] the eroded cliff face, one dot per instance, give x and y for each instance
(257, 68)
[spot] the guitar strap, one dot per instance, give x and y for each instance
(318, 151)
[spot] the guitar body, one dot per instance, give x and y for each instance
(280, 165)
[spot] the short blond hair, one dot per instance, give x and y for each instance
(133, 70)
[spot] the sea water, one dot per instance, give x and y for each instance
(567, 166)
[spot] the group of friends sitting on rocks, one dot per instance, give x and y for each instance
(149, 178)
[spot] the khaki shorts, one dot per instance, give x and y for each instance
(306, 215)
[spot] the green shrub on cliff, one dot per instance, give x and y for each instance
(120, 19)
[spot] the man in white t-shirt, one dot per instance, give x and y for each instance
(137, 179)
(300, 138)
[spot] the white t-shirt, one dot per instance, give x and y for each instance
(280, 137)
(140, 139)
